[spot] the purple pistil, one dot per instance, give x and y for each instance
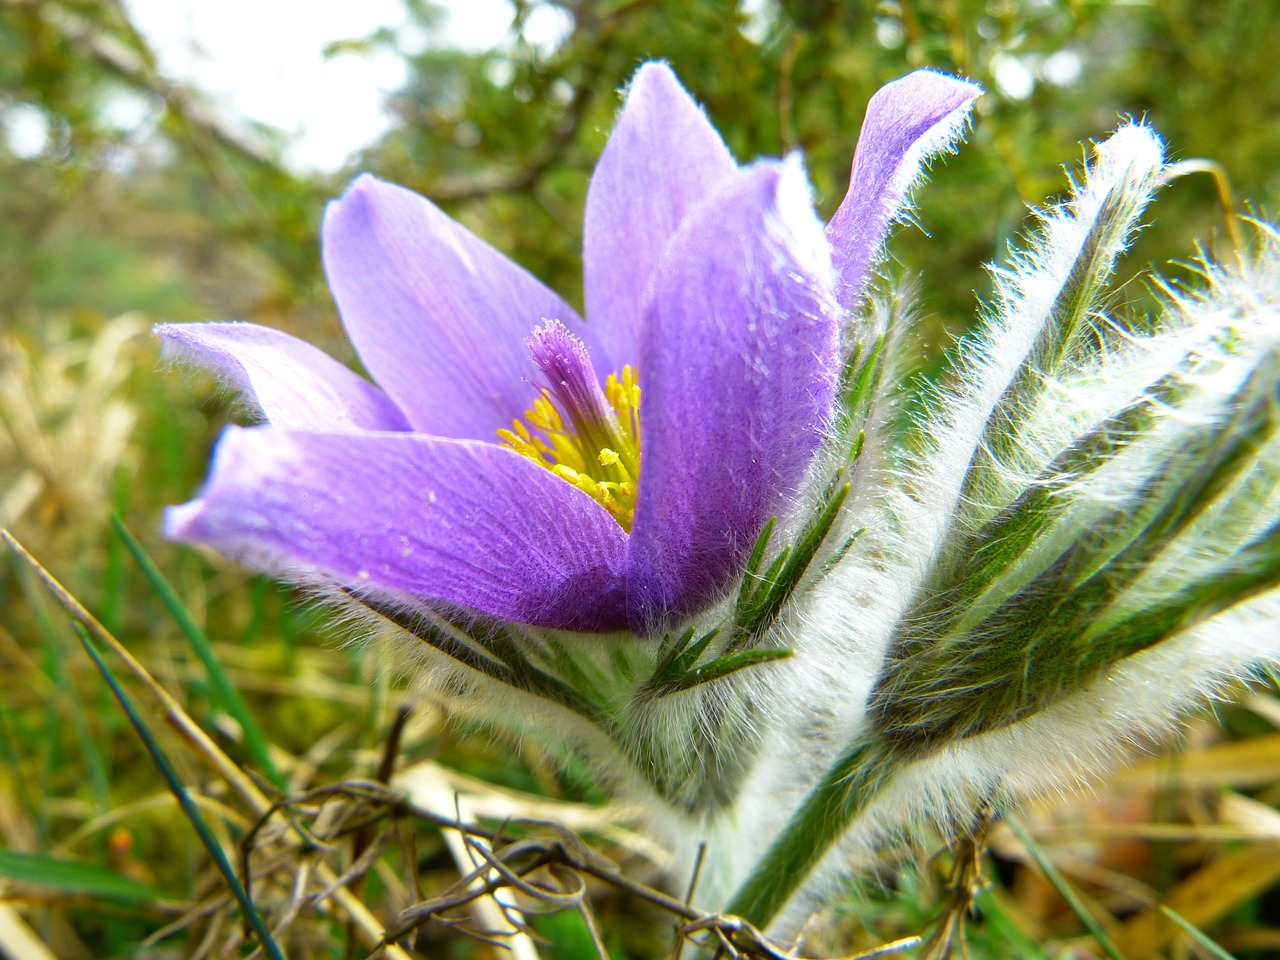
(570, 378)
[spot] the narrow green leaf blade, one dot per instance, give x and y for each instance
(722, 667)
(787, 569)
(188, 805)
(74, 876)
(1198, 935)
(1064, 890)
(749, 576)
(684, 663)
(224, 690)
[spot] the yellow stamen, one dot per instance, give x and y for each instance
(609, 474)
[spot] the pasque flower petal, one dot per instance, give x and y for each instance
(662, 159)
(437, 315)
(907, 122)
(461, 522)
(738, 369)
(717, 283)
(289, 382)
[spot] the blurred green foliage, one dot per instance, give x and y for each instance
(185, 214)
(138, 195)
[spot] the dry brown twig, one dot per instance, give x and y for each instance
(964, 882)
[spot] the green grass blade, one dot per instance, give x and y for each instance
(1196, 934)
(269, 945)
(73, 876)
(224, 691)
(1064, 890)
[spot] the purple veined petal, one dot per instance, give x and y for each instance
(438, 317)
(738, 371)
(907, 122)
(663, 158)
(291, 384)
(466, 523)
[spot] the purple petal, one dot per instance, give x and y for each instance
(662, 159)
(466, 523)
(438, 316)
(738, 372)
(908, 121)
(289, 382)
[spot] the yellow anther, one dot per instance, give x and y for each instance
(608, 474)
(520, 444)
(567, 473)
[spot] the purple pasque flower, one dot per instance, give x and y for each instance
(497, 465)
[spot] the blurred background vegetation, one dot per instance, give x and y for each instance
(179, 212)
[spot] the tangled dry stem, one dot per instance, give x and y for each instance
(547, 866)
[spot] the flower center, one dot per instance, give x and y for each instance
(588, 436)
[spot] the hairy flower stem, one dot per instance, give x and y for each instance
(698, 772)
(848, 789)
(1044, 324)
